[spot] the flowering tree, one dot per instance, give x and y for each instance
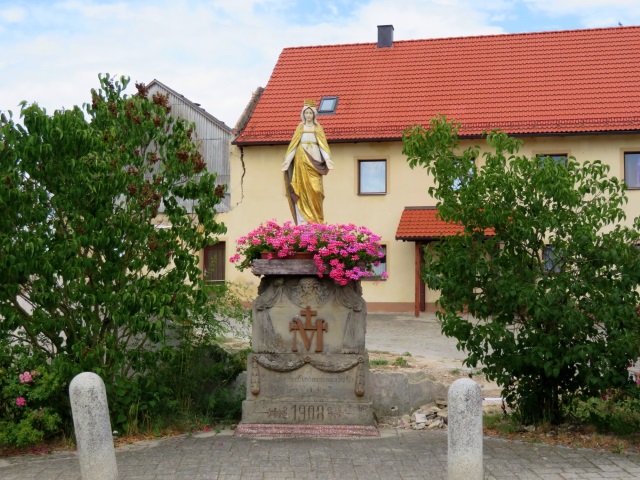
(551, 294)
(87, 281)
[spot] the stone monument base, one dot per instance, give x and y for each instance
(311, 389)
(280, 430)
(309, 366)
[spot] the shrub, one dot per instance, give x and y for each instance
(82, 196)
(613, 413)
(31, 398)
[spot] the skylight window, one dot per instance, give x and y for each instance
(328, 105)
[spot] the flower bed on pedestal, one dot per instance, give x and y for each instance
(308, 370)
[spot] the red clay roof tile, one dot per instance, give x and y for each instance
(576, 81)
(424, 223)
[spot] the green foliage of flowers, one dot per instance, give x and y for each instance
(87, 280)
(31, 428)
(550, 329)
(30, 396)
(346, 252)
(617, 411)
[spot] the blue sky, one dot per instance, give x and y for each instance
(218, 52)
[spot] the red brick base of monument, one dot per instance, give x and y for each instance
(282, 430)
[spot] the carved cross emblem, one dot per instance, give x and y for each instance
(296, 326)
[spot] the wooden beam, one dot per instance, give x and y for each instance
(423, 295)
(284, 267)
(416, 304)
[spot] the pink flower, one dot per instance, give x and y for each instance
(339, 248)
(25, 377)
(21, 402)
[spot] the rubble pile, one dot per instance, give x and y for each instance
(430, 417)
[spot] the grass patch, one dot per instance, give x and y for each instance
(378, 362)
(400, 362)
(500, 423)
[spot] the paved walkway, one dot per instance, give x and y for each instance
(395, 455)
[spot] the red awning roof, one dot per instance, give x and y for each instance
(423, 223)
(576, 81)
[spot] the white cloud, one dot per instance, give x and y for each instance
(590, 13)
(420, 19)
(101, 11)
(12, 14)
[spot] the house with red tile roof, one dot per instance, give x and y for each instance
(565, 93)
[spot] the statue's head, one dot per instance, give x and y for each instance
(309, 115)
(309, 108)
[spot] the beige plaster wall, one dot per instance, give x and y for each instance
(257, 195)
(607, 148)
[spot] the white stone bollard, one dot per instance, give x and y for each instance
(465, 431)
(92, 427)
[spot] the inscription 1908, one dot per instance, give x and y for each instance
(308, 413)
(303, 413)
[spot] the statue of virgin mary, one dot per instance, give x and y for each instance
(307, 160)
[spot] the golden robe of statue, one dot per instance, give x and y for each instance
(308, 158)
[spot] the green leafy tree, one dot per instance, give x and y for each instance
(87, 280)
(541, 288)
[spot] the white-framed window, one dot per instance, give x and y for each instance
(214, 262)
(632, 169)
(372, 177)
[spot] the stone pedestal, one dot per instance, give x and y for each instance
(308, 364)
